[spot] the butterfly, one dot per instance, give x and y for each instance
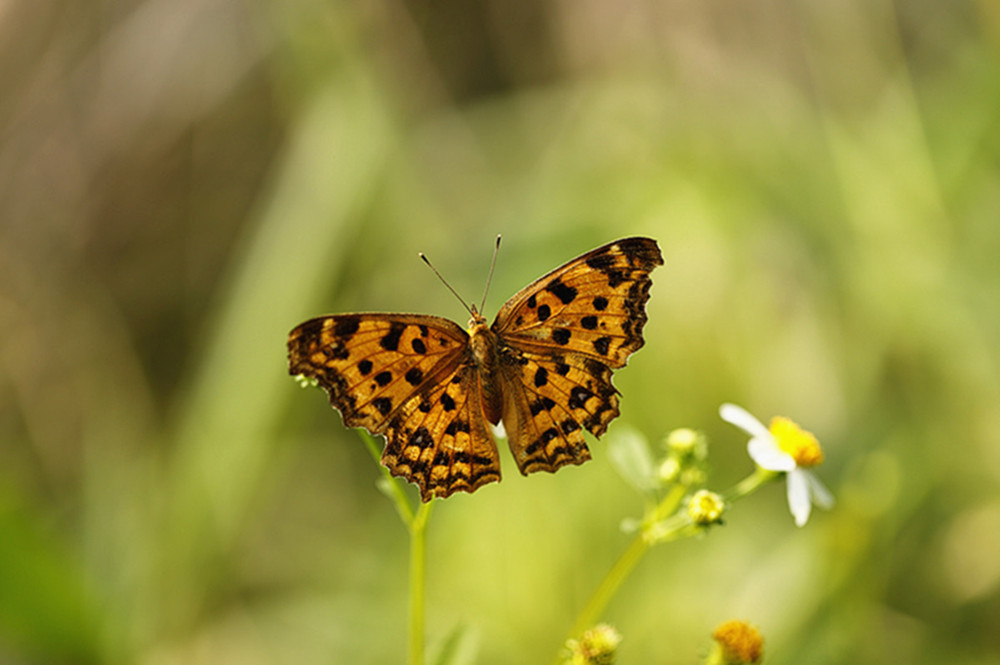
(543, 367)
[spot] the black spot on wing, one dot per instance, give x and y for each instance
(578, 397)
(541, 404)
(602, 344)
(391, 340)
(601, 261)
(383, 405)
(414, 376)
(564, 292)
(456, 426)
(569, 425)
(365, 366)
(421, 438)
(346, 326)
(561, 336)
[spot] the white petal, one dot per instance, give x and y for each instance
(765, 452)
(798, 496)
(821, 496)
(737, 415)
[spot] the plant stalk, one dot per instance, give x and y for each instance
(418, 573)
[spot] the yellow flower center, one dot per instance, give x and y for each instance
(741, 643)
(797, 442)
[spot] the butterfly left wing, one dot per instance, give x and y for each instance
(561, 337)
(409, 377)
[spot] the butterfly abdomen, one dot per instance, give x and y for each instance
(484, 351)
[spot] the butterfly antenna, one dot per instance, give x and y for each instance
(445, 282)
(493, 264)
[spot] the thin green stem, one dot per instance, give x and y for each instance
(416, 523)
(623, 567)
(594, 608)
(670, 503)
(750, 484)
(418, 570)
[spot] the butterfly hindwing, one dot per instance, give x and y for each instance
(554, 399)
(543, 429)
(441, 441)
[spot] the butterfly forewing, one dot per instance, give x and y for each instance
(594, 305)
(372, 364)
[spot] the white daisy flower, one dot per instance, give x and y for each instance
(784, 447)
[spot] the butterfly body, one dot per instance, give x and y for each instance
(543, 368)
(483, 347)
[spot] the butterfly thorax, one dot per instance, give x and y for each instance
(483, 348)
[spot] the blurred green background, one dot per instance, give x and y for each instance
(182, 181)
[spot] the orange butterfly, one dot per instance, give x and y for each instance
(543, 367)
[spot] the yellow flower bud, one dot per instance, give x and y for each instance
(706, 507)
(739, 642)
(597, 646)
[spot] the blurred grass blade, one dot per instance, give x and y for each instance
(459, 648)
(226, 431)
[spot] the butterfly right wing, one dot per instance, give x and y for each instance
(562, 336)
(410, 378)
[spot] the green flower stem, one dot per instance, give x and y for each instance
(716, 656)
(418, 570)
(416, 523)
(594, 608)
(624, 565)
(671, 502)
(750, 484)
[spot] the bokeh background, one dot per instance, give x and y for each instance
(182, 181)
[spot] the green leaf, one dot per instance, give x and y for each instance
(629, 454)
